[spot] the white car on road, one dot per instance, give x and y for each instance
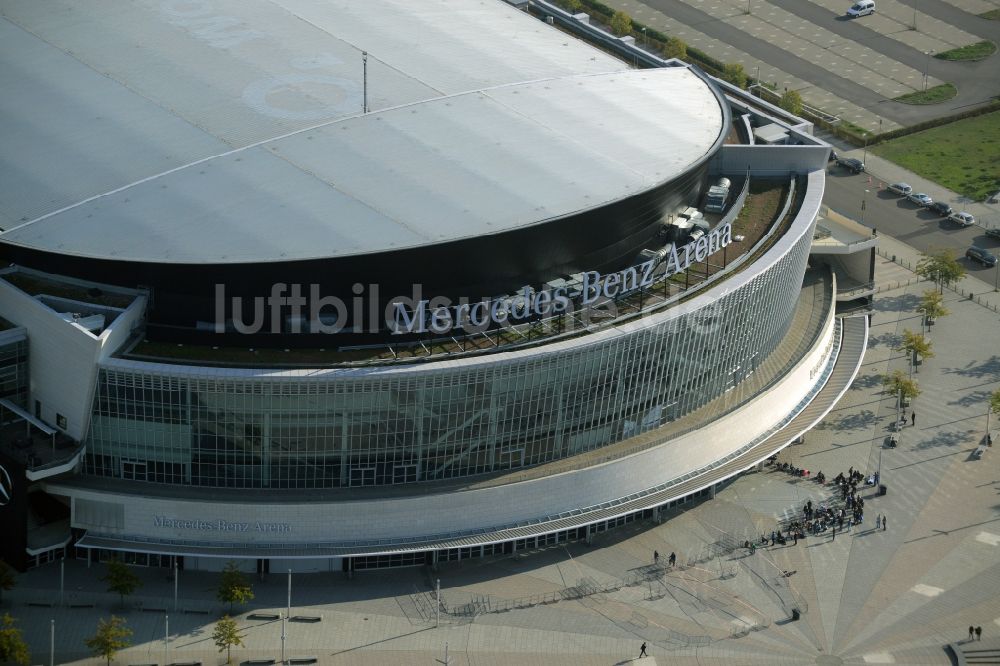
(902, 189)
(920, 199)
(965, 219)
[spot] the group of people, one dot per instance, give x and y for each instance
(977, 631)
(671, 560)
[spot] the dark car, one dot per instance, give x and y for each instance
(993, 233)
(941, 208)
(851, 164)
(982, 256)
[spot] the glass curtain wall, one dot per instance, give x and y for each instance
(377, 427)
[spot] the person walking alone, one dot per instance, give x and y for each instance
(656, 557)
(642, 650)
(913, 418)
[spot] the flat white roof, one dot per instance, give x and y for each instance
(232, 131)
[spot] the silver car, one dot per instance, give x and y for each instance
(902, 189)
(965, 219)
(920, 199)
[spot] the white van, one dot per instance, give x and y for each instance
(861, 8)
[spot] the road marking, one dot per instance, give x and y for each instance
(926, 590)
(879, 658)
(988, 538)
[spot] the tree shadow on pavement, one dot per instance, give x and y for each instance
(901, 303)
(866, 382)
(953, 438)
(986, 369)
(860, 421)
(970, 399)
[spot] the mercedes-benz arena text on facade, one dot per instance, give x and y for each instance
(262, 308)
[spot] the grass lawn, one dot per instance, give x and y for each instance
(976, 51)
(993, 14)
(964, 156)
(941, 93)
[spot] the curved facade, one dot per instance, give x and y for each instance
(430, 421)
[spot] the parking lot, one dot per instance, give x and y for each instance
(850, 68)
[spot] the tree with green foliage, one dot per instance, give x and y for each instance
(791, 101)
(572, 6)
(940, 266)
(111, 638)
(916, 347)
(13, 649)
(675, 48)
(227, 635)
(233, 587)
(621, 24)
(994, 409)
(121, 579)
(733, 73)
(932, 306)
(898, 384)
(7, 578)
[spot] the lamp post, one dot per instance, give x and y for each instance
(288, 608)
(52, 642)
(914, 14)
(645, 42)
(927, 64)
(364, 76)
(864, 205)
(175, 583)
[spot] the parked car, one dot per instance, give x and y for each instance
(855, 165)
(902, 189)
(941, 208)
(993, 233)
(920, 199)
(861, 8)
(979, 255)
(993, 198)
(965, 219)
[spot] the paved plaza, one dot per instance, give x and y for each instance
(867, 596)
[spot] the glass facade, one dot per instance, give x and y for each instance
(14, 372)
(379, 426)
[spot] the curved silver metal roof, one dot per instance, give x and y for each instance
(191, 132)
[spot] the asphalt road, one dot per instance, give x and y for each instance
(897, 217)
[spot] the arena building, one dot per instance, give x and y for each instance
(314, 286)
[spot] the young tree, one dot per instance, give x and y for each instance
(233, 588)
(994, 409)
(7, 579)
(675, 48)
(111, 638)
(121, 579)
(932, 306)
(916, 346)
(227, 635)
(791, 101)
(733, 72)
(899, 385)
(621, 24)
(13, 649)
(572, 6)
(941, 267)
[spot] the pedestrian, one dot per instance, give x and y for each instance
(979, 633)
(883, 523)
(834, 533)
(656, 557)
(972, 631)
(673, 559)
(642, 650)
(913, 418)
